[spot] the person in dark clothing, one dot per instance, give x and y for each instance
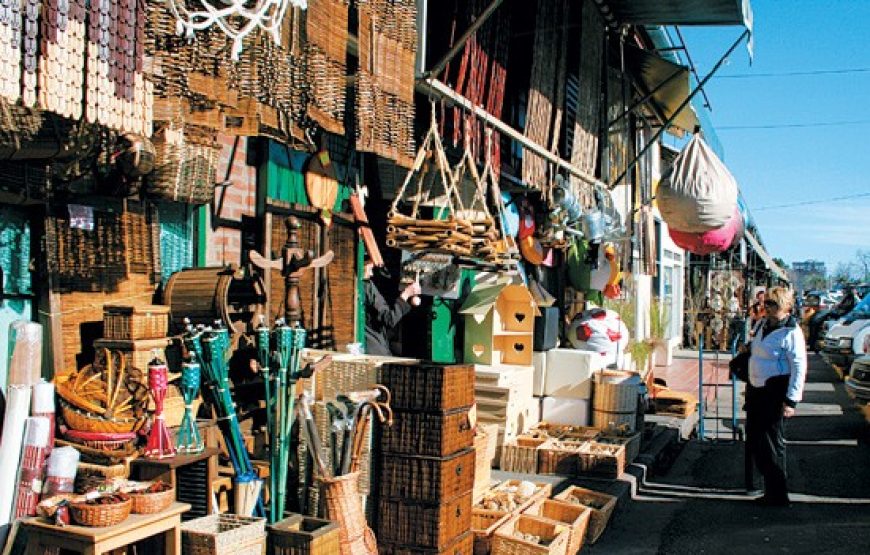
(777, 371)
(381, 316)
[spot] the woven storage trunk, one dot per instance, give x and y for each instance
(561, 457)
(602, 506)
(483, 525)
(427, 479)
(631, 444)
(135, 322)
(464, 545)
(425, 526)
(575, 516)
(428, 434)
(429, 387)
(345, 372)
(138, 352)
(600, 459)
(303, 535)
(506, 542)
(223, 534)
(522, 455)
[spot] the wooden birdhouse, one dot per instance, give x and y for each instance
(499, 325)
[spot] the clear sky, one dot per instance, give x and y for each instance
(788, 165)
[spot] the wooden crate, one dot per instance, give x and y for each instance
(483, 525)
(423, 526)
(560, 457)
(521, 455)
(602, 506)
(429, 387)
(431, 434)
(427, 479)
(506, 542)
(602, 460)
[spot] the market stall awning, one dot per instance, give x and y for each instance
(667, 83)
(679, 12)
(768, 260)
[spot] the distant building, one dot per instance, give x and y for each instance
(806, 274)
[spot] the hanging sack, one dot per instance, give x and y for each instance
(697, 193)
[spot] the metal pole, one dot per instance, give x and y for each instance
(676, 113)
(734, 395)
(646, 97)
(434, 87)
(701, 386)
(460, 44)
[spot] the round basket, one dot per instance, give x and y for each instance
(150, 503)
(86, 422)
(101, 441)
(100, 515)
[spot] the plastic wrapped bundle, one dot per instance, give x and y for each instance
(60, 474)
(30, 472)
(25, 346)
(43, 405)
(17, 409)
(697, 193)
(709, 242)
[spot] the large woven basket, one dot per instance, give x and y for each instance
(135, 322)
(576, 517)
(92, 476)
(506, 542)
(304, 535)
(522, 454)
(344, 506)
(484, 524)
(602, 506)
(223, 534)
(100, 515)
(87, 422)
(150, 503)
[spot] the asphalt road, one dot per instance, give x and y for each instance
(701, 506)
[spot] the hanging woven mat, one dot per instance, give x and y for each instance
(410, 231)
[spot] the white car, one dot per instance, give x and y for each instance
(858, 380)
(844, 341)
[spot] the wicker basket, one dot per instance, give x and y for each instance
(542, 491)
(100, 515)
(344, 506)
(565, 431)
(601, 504)
(600, 459)
(575, 516)
(150, 503)
(426, 526)
(427, 479)
(87, 422)
(615, 399)
(631, 443)
(135, 322)
(429, 387)
(484, 524)
(223, 534)
(522, 455)
(101, 441)
(303, 535)
(139, 352)
(506, 542)
(91, 476)
(485, 442)
(428, 434)
(463, 545)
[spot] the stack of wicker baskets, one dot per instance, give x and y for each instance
(427, 478)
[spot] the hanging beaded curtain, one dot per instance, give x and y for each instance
(14, 251)
(385, 89)
(546, 87)
(176, 238)
(587, 118)
(481, 75)
(326, 50)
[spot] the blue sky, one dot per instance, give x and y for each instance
(790, 165)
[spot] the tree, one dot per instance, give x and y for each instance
(815, 282)
(844, 273)
(781, 263)
(862, 261)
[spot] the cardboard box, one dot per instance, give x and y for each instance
(559, 410)
(516, 377)
(569, 373)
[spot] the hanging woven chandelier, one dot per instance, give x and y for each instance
(236, 18)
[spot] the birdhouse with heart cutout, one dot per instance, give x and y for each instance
(499, 325)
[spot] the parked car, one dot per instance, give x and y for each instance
(858, 380)
(844, 342)
(821, 322)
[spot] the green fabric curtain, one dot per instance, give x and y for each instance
(176, 238)
(15, 251)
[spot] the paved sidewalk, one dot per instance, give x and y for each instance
(700, 505)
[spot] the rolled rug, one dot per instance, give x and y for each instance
(17, 410)
(60, 474)
(32, 468)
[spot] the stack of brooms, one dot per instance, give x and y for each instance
(466, 232)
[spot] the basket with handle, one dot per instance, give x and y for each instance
(513, 537)
(344, 506)
(146, 503)
(100, 515)
(601, 504)
(576, 517)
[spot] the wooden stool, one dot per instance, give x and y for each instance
(191, 476)
(42, 535)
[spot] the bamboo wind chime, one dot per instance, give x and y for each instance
(210, 348)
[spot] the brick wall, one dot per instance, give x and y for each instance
(224, 244)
